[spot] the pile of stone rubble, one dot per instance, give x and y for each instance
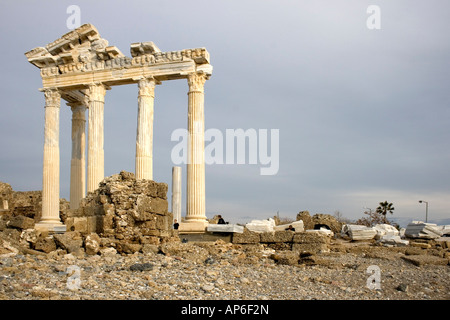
(389, 235)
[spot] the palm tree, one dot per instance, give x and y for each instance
(384, 208)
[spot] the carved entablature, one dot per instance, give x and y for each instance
(83, 50)
(82, 57)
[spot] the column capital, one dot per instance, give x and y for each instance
(52, 97)
(147, 87)
(97, 92)
(196, 81)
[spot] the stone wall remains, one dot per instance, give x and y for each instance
(125, 212)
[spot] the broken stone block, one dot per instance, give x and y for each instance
(149, 249)
(422, 230)
(277, 237)
(327, 221)
(261, 225)
(246, 237)
(21, 222)
(128, 248)
(420, 260)
(422, 245)
(224, 228)
(141, 267)
(393, 240)
(76, 224)
(70, 241)
(92, 244)
(29, 235)
(358, 232)
(286, 258)
(45, 244)
(297, 225)
(323, 231)
(310, 242)
(385, 229)
(7, 250)
(108, 252)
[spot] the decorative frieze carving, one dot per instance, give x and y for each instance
(83, 50)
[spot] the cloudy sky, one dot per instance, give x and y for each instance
(363, 114)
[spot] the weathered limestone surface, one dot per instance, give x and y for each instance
(310, 242)
(285, 240)
(261, 225)
(50, 186)
(419, 229)
(144, 135)
(78, 162)
(195, 198)
(246, 237)
(96, 153)
(126, 212)
(176, 193)
(319, 220)
(297, 225)
(25, 203)
(358, 232)
(224, 228)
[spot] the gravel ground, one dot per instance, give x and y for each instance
(229, 272)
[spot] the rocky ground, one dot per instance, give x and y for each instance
(219, 270)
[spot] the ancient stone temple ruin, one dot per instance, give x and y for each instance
(80, 67)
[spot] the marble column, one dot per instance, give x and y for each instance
(195, 197)
(176, 193)
(96, 157)
(78, 161)
(50, 218)
(144, 134)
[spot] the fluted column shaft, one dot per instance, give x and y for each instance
(144, 134)
(78, 161)
(176, 193)
(195, 197)
(50, 181)
(96, 157)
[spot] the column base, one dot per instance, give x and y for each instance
(187, 227)
(50, 227)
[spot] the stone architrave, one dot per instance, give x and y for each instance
(96, 156)
(195, 196)
(144, 132)
(78, 161)
(50, 182)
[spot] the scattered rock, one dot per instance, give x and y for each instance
(141, 267)
(92, 243)
(70, 241)
(21, 222)
(420, 260)
(207, 287)
(403, 287)
(45, 244)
